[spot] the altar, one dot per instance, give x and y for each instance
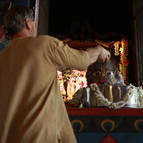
(100, 125)
(104, 125)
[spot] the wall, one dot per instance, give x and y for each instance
(43, 17)
(138, 45)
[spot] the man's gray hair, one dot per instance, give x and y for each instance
(14, 20)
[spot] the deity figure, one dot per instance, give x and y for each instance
(106, 87)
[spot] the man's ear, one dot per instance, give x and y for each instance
(28, 24)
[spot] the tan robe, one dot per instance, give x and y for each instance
(31, 107)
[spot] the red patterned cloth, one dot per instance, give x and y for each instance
(108, 139)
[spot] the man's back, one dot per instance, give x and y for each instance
(31, 107)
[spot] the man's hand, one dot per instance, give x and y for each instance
(98, 53)
(104, 54)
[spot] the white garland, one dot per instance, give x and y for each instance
(120, 104)
(140, 94)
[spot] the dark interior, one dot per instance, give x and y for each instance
(83, 20)
(90, 20)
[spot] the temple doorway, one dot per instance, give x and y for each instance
(88, 20)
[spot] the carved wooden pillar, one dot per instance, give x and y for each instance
(138, 31)
(36, 13)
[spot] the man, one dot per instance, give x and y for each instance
(31, 107)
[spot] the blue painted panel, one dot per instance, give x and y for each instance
(120, 137)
